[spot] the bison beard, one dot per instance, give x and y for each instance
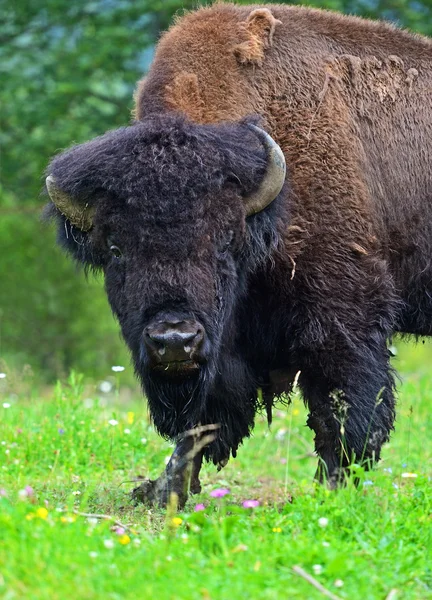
(227, 398)
(263, 281)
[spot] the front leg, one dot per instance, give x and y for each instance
(351, 403)
(182, 471)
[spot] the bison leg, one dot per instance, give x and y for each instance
(195, 484)
(181, 473)
(351, 410)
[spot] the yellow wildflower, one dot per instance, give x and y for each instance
(276, 529)
(176, 521)
(42, 513)
(130, 417)
(124, 539)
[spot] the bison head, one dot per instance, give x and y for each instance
(178, 216)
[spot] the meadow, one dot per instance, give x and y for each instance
(69, 456)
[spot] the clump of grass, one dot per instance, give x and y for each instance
(67, 522)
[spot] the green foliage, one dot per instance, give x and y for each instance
(78, 451)
(68, 71)
(41, 318)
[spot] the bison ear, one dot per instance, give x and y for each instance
(258, 29)
(79, 216)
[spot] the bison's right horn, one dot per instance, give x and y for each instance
(80, 216)
(274, 177)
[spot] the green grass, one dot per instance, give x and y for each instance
(60, 442)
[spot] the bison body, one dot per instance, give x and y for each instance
(220, 295)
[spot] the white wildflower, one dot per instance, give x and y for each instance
(108, 544)
(117, 369)
(323, 522)
(113, 422)
(6, 405)
(105, 387)
(280, 434)
(2, 375)
(317, 569)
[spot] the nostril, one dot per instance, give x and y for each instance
(153, 341)
(195, 342)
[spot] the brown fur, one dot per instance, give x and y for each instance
(346, 99)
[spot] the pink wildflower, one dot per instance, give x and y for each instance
(250, 503)
(27, 492)
(219, 493)
(199, 507)
(120, 530)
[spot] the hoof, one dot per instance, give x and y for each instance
(144, 493)
(156, 493)
(195, 487)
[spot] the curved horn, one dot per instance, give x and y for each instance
(80, 216)
(274, 177)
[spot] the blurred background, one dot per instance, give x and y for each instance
(68, 71)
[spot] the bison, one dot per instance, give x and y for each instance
(231, 276)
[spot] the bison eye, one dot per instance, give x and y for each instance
(115, 250)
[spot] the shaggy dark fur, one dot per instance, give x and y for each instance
(321, 279)
(168, 194)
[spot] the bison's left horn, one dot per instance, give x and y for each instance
(80, 216)
(274, 177)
